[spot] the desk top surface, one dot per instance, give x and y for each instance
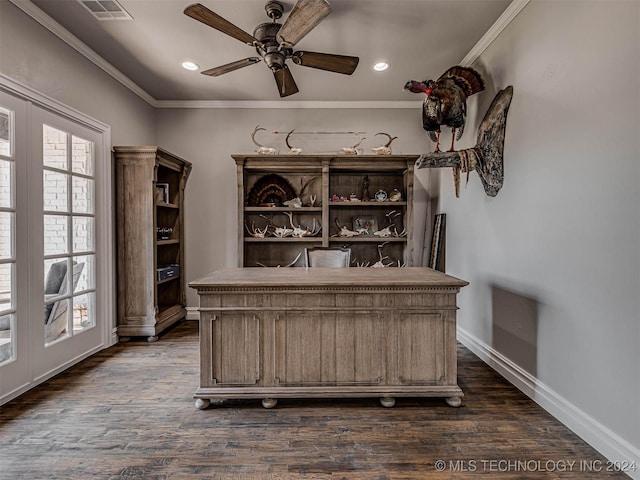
(316, 277)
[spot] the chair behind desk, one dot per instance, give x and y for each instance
(333, 257)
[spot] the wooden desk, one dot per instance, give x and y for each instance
(324, 332)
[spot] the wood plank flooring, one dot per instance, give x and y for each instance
(128, 413)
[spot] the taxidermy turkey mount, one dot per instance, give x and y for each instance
(486, 157)
(274, 42)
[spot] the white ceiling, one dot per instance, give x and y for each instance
(418, 38)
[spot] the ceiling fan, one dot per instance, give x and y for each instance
(274, 42)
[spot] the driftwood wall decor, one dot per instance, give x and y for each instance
(486, 157)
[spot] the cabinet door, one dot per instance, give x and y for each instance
(329, 348)
(235, 345)
(421, 346)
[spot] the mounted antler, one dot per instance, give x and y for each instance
(292, 150)
(386, 148)
(380, 263)
(291, 264)
(256, 232)
(262, 150)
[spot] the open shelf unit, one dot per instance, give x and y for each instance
(317, 180)
(150, 199)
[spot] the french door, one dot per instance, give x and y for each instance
(54, 310)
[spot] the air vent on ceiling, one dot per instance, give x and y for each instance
(106, 9)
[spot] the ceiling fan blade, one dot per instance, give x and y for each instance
(206, 16)
(306, 14)
(230, 67)
(286, 84)
(326, 61)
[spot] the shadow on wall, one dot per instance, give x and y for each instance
(515, 327)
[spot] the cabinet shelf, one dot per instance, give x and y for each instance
(167, 205)
(340, 175)
(399, 203)
(374, 239)
(283, 209)
(167, 242)
(283, 240)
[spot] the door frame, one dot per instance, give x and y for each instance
(105, 234)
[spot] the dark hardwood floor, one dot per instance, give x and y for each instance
(128, 413)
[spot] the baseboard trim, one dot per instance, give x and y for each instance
(192, 313)
(604, 440)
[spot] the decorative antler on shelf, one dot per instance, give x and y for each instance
(262, 150)
(386, 148)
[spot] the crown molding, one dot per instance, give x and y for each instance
(284, 104)
(74, 42)
(514, 8)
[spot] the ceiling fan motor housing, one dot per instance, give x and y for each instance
(270, 50)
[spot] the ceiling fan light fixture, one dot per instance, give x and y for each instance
(187, 65)
(380, 66)
(275, 60)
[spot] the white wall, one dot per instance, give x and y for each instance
(208, 137)
(33, 56)
(554, 259)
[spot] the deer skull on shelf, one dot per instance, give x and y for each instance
(353, 150)
(344, 231)
(298, 231)
(386, 148)
(279, 232)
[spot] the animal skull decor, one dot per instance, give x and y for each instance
(262, 150)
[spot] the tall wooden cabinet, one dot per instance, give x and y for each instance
(150, 185)
(340, 195)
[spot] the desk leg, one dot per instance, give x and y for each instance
(202, 403)
(388, 402)
(453, 401)
(269, 402)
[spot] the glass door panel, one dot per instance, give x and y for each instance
(7, 238)
(68, 188)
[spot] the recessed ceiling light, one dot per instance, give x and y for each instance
(380, 66)
(190, 66)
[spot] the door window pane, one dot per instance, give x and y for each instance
(6, 132)
(6, 286)
(86, 280)
(6, 343)
(6, 235)
(56, 234)
(57, 321)
(82, 161)
(83, 234)
(55, 191)
(6, 197)
(84, 315)
(54, 148)
(82, 192)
